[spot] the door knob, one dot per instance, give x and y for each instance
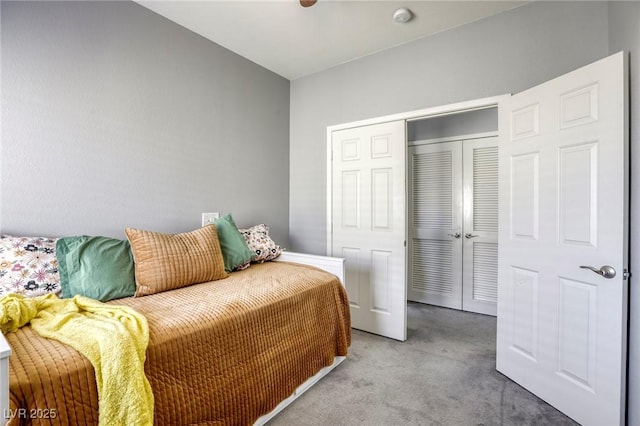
(606, 271)
(456, 235)
(470, 236)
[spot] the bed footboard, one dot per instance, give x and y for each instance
(334, 265)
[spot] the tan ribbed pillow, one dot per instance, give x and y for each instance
(168, 261)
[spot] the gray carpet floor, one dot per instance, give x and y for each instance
(444, 374)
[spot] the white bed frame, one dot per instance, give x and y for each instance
(299, 391)
(333, 265)
(5, 353)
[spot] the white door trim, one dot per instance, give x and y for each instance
(471, 136)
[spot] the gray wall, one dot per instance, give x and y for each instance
(624, 34)
(503, 54)
(113, 116)
(507, 53)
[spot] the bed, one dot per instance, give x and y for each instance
(231, 351)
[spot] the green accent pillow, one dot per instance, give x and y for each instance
(97, 267)
(235, 250)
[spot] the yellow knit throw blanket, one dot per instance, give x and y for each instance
(113, 338)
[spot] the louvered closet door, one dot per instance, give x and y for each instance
(480, 239)
(435, 224)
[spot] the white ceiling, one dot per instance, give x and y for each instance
(294, 41)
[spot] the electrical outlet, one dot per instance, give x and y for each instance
(209, 218)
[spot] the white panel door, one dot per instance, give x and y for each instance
(369, 230)
(563, 206)
(480, 239)
(435, 224)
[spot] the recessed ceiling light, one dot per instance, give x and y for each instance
(402, 15)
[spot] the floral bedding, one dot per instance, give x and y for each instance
(28, 266)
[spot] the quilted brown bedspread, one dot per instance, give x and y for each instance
(222, 352)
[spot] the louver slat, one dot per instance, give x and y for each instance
(485, 189)
(432, 268)
(432, 190)
(485, 272)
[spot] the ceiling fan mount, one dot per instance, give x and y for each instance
(307, 3)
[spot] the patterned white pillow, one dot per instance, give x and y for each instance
(28, 266)
(258, 240)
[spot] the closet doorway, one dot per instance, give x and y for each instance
(453, 210)
(368, 218)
